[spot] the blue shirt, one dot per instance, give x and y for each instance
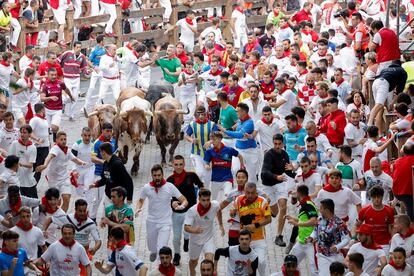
(202, 133)
(292, 139)
(6, 261)
(221, 163)
(96, 54)
(246, 126)
(97, 153)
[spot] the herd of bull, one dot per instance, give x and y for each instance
(138, 113)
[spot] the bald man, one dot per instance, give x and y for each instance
(110, 73)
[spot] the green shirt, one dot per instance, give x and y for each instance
(228, 117)
(306, 212)
(123, 215)
(171, 65)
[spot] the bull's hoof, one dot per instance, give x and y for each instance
(164, 164)
(134, 172)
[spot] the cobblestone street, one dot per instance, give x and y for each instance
(149, 157)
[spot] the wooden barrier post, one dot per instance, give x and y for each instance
(118, 26)
(69, 25)
(227, 34)
(21, 43)
(173, 36)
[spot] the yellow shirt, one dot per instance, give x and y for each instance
(253, 212)
(5, 19)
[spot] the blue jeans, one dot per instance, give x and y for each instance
(178, 223)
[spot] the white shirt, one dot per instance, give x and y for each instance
(58, 167)
(389, 270)
(39, 219)
(383, 180)
(26, 155)
(22, 99)
(407, 244)
(310, 182)
(205, 222)
(24, 62)
(371, 257)
(343, 199)
(356, 134)
(30, 240)
(237, 261)
(84, 153)
(187, 35)
(266, 132)
(40, 130)
(9, 178)
(351, 172)
(159, 206)
(291, 102)
(352, 274)
(5, 73)
(189, 86)
(365, 110)
(7, 136)
(127, 65)
(217, 32)
(64, 261)
(322, 142)
(255, 114)
(125, 260)
(107, 71)
(240, 22)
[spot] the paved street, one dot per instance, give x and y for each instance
(149, 157)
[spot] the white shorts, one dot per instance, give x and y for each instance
(194, 250)
(64, 187)
(60, 15)
(19, 112)
(380, 91)
(276, 192)
(54, 117)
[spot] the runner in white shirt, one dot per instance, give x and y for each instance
(375, 176)
(266, 128)
(159, 218)
(238, 26)
(187, 92)
(285, 101)
(57, 174)
(188, 28)
(110, 74)
(8, 133)
(355, 134)
(403, 237)
(66, 255)
(9, 175)
(26, 151)
(309, 178)
(398, 266)
(127, 59)
(6, 71)
(82, 149)
(354, 264)
(144, 67)
(22, 95)
(199, 222)
(124, 257)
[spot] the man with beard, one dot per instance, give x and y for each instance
(165, 267)
(159, 219)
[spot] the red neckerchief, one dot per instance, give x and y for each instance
(231, 70)
(189, 21)
(9, 252)
(49, 208)
(24, 228)
(317, 133)
(167, 271)
(297, 128)
(103, 139)
(276, 13)
(212, 104)
(247, 117)
(201, 122)
(5, 63)
(119, 245)
(305, 32)
(240, 9)
(304, 200)
(29, 56)
(372, 246)
(67, 244)
(152, 184)
(338, 83)
(254, 63)
(308, 174)
(392, 263)
(30, 82)
(287, 54)
(203, 210)
(285, 26)
(80, 220)
(16, 207)
(304, 72)
(217, 150)
(283, 90)
(285, 273)
(240, 188)
(28, 143)
(179, 177)
(250, 46)
(188, 73)
(109, 55)
(331, 189)
(132, 49)
(266, 122)
(64, 149)
(215, 74)
(408, 234)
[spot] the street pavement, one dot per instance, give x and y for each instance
(150, 156)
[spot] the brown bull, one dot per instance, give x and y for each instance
(128, 93)
(167, 122)
(101, 114)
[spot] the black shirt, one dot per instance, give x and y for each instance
(274, 164)
(187, 189)
(115, 174)
(396, 76)
(266, 40)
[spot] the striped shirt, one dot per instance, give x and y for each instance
(72, 64)
(202, 133)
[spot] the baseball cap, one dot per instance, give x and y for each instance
(365, 229)
(212, 95)
(291, 259)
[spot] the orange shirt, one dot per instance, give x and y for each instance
(252, 212)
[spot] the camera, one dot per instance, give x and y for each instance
(342, 13)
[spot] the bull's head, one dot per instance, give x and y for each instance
(136, 121)
(170, 122)
(106, 115)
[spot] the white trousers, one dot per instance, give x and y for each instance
(324, 262)
(158, 235)
(261, 250)
(94, 80)
(306, 250)
(220, 190)
(85, 179)
(109, 85)
(94, 7)
(210, 12)
(77, 5)
(16, 31)
(198, 164)
(251, 160)
(111, 10)
(73, 84)
(166, 4)
(95, 198)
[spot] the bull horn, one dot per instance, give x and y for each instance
(180, 111)
(94, 113)
(157, 112)
(149, 113)
(164, 94)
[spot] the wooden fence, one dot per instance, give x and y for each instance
(151, 15)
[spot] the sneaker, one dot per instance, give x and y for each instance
(176, 260)
(185, 247)
(153, 257)
(279, 241)
(289, 248)
(82, 94)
